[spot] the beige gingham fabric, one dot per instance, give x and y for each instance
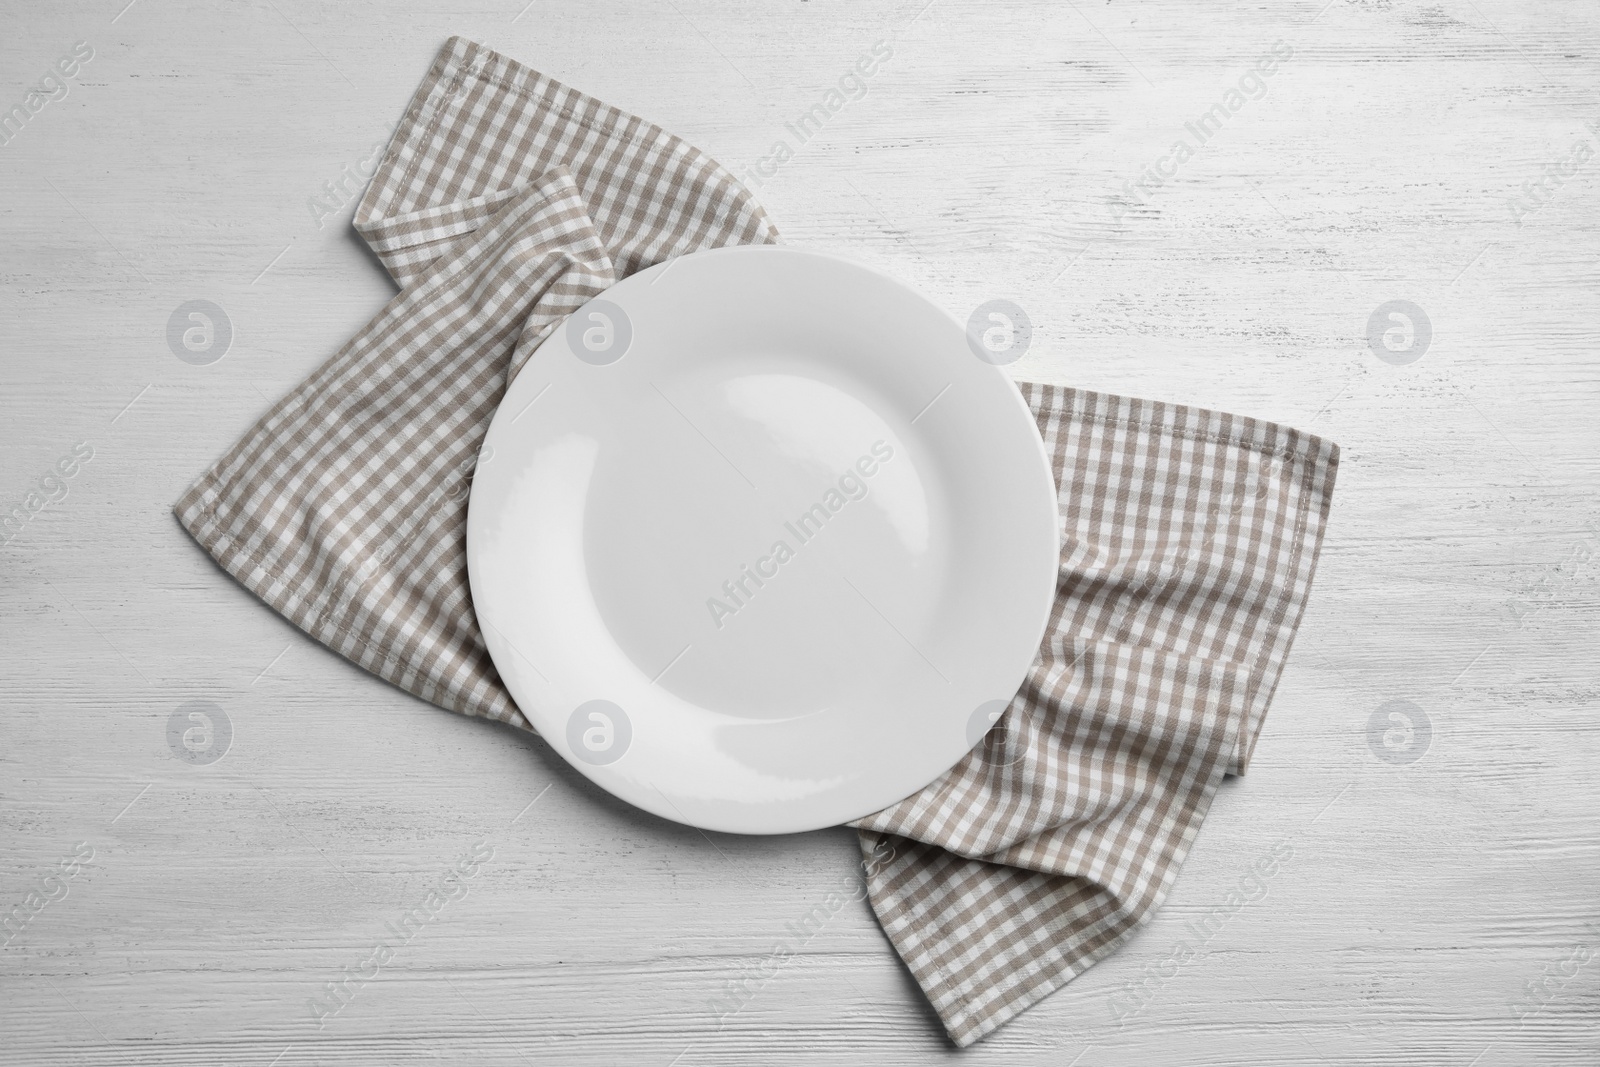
(1189, 539)
(504, 202)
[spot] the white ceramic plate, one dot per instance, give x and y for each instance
(758, 543)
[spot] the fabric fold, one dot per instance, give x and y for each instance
(504, 201)
(344, 508)
(1189, 542)
(481, 124)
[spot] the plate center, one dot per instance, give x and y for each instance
(777, 551)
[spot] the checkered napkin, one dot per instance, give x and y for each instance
(504, 202)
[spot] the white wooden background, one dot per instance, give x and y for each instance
(1441, 911)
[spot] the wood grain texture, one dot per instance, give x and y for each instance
(1385, 161)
